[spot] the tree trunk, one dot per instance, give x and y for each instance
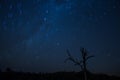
(84, 67)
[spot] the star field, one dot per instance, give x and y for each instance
(34, 34)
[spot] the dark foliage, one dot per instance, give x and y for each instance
(12, 75)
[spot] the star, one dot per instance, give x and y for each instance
(45, 19)
(56, 29)
(58, 44)
(109, 55)
(33, 29)
(27, 22)
(11, 6)
(47, 11)
(114, 7)
(105, 13)
(20, 11)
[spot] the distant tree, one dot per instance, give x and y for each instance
(0, 70)
(8, 69)
(83, 62)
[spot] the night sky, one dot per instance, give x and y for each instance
(34, 34)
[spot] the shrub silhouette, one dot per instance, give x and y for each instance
(8, 69)
(83, 62)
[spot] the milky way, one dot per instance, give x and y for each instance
(34, 34)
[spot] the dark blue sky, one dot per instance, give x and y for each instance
(34, 34)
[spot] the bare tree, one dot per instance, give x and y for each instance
(83, 62)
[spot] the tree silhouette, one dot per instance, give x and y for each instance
(8, 69)
(83, 62)
(0, 70)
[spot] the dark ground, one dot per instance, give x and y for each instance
(12, 75)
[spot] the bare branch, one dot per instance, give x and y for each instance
(89, 57)
(68, 53)
(84, 52)
(72, 59)
(82, 63)
(69, 57)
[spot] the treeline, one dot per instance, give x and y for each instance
(12, 75)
